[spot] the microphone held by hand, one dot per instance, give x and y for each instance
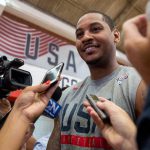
(53, 108)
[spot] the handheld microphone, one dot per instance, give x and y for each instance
(53, 108)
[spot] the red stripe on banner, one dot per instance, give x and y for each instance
(55, 40)
(12, 49)
(12, 54)
(13, 21)
(43, 46)
(14, 38)
(12, 41)
(13, 46)
(43, 49)
(14, 28)
(48, 38)
(45, 37)
(17, 30)
(16, 25)
(93, 142)
(21, 40)
(43, 53)
(62, 43)
(36, 32)
(12, 34)
(51, 40)
(45, 42)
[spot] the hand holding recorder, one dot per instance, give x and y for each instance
(40, 94)
(51, 77)
(93, 99)
(28, 107)
(119, 126)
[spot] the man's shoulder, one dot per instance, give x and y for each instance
(129, 70)
(128, 74)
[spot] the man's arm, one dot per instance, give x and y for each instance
(140, 98)
(54, 141)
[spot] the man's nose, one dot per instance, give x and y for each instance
(87, 37)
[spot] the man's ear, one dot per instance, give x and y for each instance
(116, 34)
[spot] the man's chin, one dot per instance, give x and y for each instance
(96, 62)
(92, 62)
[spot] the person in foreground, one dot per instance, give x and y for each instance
(27, 108)
(96, 39)
(136, 36)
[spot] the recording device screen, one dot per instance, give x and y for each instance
(53, 74)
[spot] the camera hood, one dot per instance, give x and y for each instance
(17, 79)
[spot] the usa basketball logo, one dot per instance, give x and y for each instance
(121, 78)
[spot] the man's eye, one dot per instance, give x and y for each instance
(96, 29)
(79, 35)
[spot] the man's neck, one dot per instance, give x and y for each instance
(99, 72)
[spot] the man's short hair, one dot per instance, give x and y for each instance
(106, 18)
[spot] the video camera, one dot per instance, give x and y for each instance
(12, 78)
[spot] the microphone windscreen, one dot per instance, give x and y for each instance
(53, 108)
(57, 94)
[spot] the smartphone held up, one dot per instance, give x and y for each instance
(53, 74)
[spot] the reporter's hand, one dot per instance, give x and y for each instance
(27, 108)
(31, 102)
(27, 137)
(5, 107)
(120, 134)
(136, 39)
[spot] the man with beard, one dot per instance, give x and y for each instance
(136, 39)
(96, 39)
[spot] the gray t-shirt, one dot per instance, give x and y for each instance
(77, 128)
